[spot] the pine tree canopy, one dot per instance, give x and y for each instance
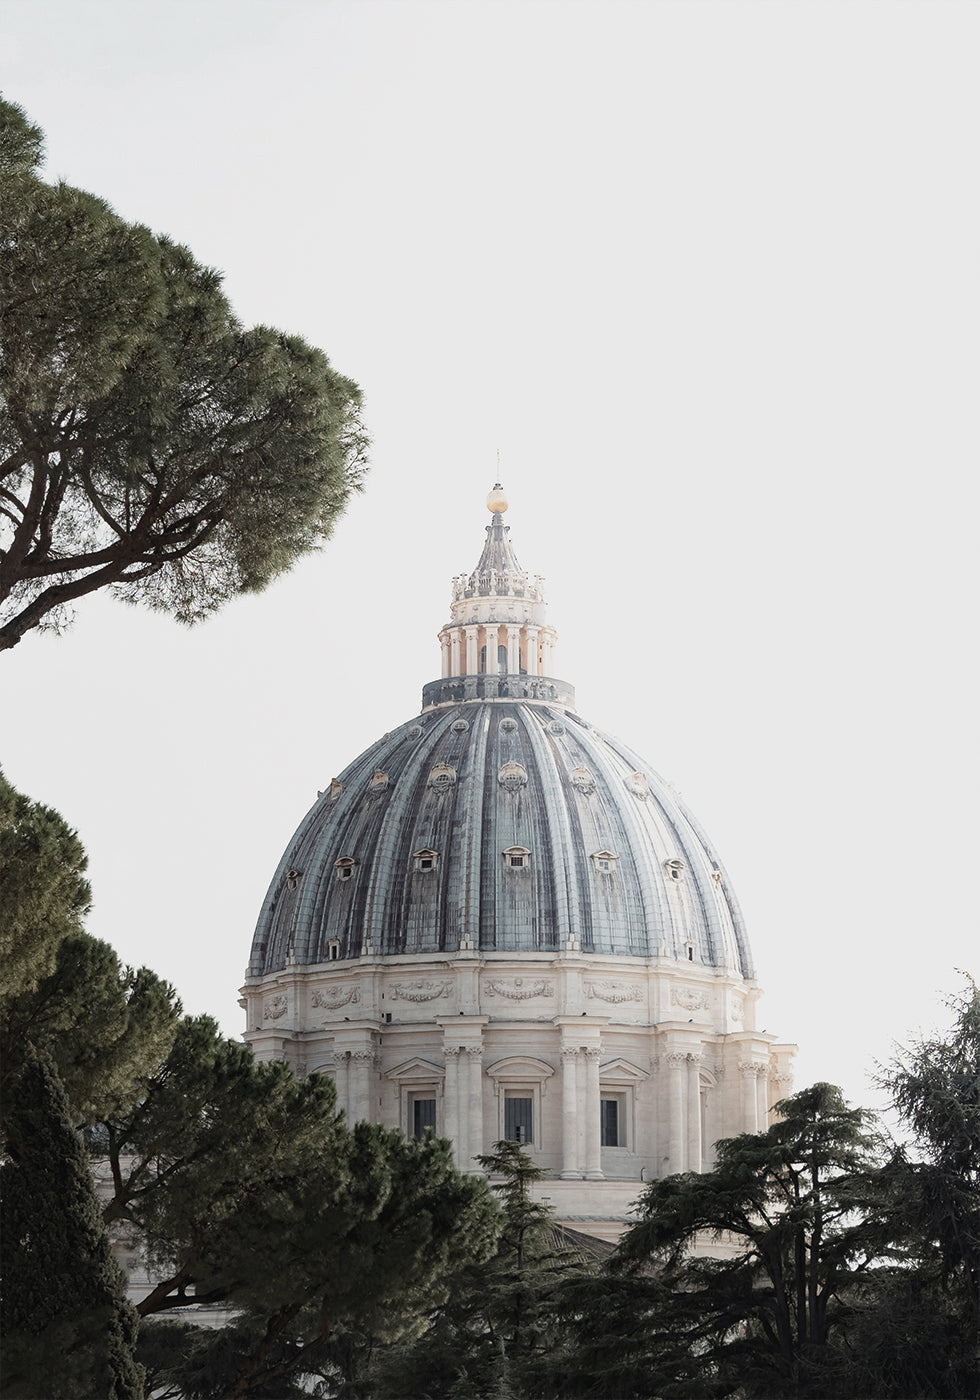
(149, 443)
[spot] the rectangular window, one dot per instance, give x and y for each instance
(517, 1119)
(423, 1117)
(609, 1122)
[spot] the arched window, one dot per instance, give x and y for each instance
(344, 867)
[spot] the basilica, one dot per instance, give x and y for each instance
(499, 922)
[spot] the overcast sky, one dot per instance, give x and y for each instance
(706, 274)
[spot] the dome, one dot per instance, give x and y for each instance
(504, 824)
(500, 922)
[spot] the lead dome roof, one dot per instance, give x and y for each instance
(503, 824)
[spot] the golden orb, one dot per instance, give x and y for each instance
(497, 501)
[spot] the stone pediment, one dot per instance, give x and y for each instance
(416, 1069)
(621, 1072)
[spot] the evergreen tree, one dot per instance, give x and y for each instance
(68, 1331)
(148, 442)
(800, 1204)
(917, 1330)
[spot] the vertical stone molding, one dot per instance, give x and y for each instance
(571, 1168)
(444, 644)
(762, 1097)
(453, 1129)
(677, 1069)
(474, 1096)
(695, 1147)
(532, 651)
(750, 1118)
(362, 1063)
(472, 651)
(513, 650)
(593, 1146)
(454, 664)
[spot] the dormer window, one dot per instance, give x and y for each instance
(675, 869)
(292, 878)
(344, 867)
(605, 862)
(425, 860)
(333, 950)
(517, 857)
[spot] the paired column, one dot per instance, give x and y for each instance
(361, 1065)
(444, 643)
(472, 651)
(513, 650)
(581, 1137)
(455, 668)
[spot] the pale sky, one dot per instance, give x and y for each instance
(706, 274)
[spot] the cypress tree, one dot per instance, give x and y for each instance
(69, 1331)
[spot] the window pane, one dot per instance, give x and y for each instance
(423, 1116)
(517, 1120)
(610, 1122)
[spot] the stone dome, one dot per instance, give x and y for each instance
(500, 922)
(505, 825)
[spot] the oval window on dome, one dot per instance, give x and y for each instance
(675, 869)
(459, 726)
(442, 777)
(379, 780)
(512, 777)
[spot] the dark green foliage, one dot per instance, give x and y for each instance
(68, 1331)
(188, 1362)
(43, 891)
(493, 1335)
(797, 1202)
(103, 1025)
(248, 1189)
(148, 442)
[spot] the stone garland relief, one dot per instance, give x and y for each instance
(690, 998)
(613, 991)
(519, 990)
(274, 1008)
(418, 991)
(333, 998)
